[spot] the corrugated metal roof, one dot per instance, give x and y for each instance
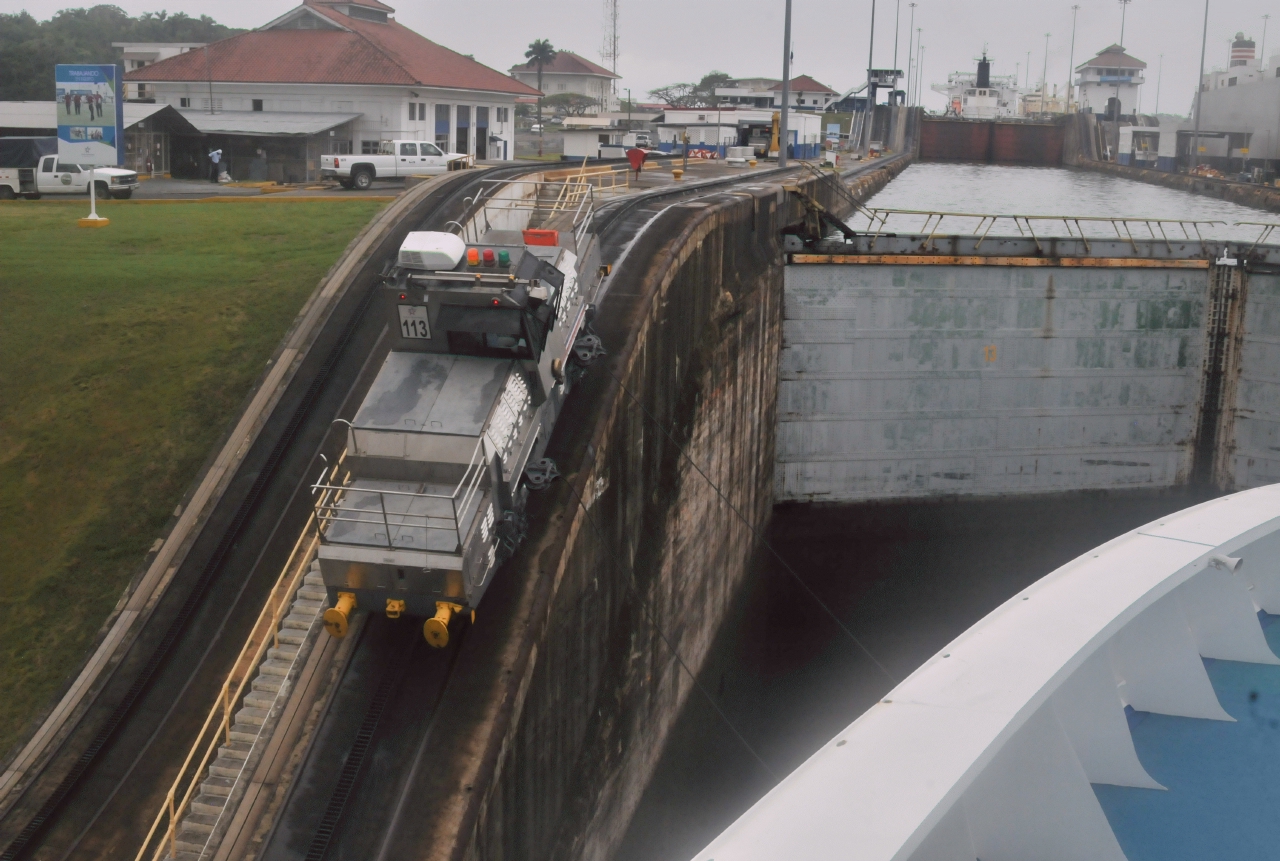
(266, 122)
(44, 115)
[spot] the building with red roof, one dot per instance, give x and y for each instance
(571, 73)
(806, 93)
(332, 77)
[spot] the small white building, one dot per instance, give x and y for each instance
(708, 128)
(139, 54)
(1112, 76)
(571, 73)
(331, 77)
(806, 94)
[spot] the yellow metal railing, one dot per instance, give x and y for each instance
(217, 725)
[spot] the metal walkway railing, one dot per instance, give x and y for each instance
(340, 502)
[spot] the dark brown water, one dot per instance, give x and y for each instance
(905, 579)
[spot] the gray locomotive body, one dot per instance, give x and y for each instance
(428, 499)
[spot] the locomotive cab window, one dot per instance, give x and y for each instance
(500, 333)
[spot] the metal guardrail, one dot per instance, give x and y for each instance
(572, 199)
(216, 730)
(878, 224)
(338, 502)
(1268, 227)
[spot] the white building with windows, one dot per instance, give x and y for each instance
(570, 73)
(806, 94)
(139, 54)
(1109, 78)
(330, 77)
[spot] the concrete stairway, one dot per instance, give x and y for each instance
(197, 824)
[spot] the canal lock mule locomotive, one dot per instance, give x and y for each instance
(428, 498)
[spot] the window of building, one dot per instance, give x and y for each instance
(217, 104)
(442, 126)
(562, 87)
(422, 112)
(257, 104)
(184, 102)
(368, 147)
(1231, 82)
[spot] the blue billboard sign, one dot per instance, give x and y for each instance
(90, 114)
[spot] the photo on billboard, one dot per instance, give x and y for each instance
(90, 114)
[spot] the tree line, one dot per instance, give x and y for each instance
(29, 49)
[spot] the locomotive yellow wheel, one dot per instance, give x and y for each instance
(336, 618)
(436, 629)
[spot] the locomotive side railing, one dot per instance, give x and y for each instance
(339, 502)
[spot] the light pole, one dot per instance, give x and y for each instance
(1195, 137)
(1262, 54)
(1044, 76)
(1124, 8)
(897, 19)
(920, 74)
(783, 134)
(1071, 63)
(871, 89)
(911, 53)
(1159, 83)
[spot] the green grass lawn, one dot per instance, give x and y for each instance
(125, 352)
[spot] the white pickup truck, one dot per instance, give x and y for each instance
(26, 172)
(395, 159)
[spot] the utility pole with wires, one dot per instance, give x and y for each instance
(1071, 62)
(911, 52)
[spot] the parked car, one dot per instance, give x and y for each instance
(397, 158)
(29, 167)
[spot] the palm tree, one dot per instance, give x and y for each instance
(540, 53)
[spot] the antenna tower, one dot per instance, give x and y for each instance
(609, 53)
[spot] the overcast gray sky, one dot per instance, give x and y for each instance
(663, 41)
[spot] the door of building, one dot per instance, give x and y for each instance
(482, 132)
(462, 143)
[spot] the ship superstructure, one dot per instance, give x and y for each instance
(979, 95)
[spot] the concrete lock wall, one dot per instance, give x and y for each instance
(1255, 455)
(924, 380)
(904, 381)
(636, 553)
(694, 334)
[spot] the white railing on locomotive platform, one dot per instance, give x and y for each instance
(337, 501)
(575, 195)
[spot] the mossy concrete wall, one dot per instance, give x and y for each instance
(560, 709)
